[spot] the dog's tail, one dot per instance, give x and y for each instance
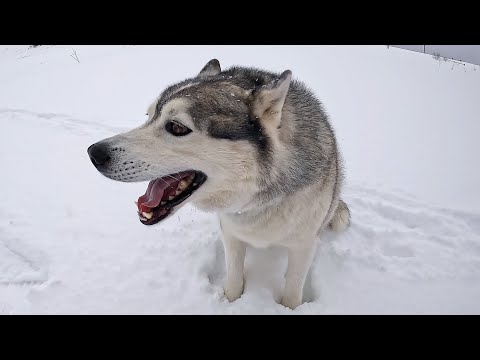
(341, 219)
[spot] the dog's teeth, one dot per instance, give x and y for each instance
(171, 197)
(147, 215)
(163, 203)
(178, 192)
(182, 185)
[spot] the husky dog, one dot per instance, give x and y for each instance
(253, 146)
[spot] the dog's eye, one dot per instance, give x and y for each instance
(177, 129)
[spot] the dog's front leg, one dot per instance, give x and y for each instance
(299, 262)
(234, 260)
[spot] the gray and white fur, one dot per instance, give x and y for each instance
(264, 141)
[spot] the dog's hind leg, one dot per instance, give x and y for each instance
(234, 261)
(299, 262)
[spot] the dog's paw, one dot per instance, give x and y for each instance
(233, 291)
(291, 302)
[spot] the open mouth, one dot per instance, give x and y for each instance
(164, 193)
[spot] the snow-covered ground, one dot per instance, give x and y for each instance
(71, 242)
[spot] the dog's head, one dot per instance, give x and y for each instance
(205, 139)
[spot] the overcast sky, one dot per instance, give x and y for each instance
(467, 53)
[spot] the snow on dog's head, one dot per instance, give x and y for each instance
(206, 139)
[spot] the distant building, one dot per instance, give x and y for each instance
(466, 53)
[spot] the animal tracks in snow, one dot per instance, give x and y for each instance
(400, 235)
(20, 264)
(76, 126)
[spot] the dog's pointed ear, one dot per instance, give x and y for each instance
(269, 100)
(211, 69)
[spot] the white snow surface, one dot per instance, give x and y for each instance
(408, 127)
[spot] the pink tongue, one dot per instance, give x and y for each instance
(158, 190)
(154, 194)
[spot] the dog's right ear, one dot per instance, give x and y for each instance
(211, 69)
(268, 101)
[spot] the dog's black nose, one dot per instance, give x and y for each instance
(99, 154)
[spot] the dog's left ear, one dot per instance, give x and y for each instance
(211, 69)
(269, 100)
